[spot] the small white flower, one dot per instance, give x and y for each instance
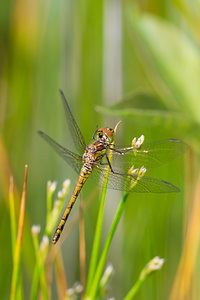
(66, 183)
(142, 171)
(106, 276)
(133, 142)
(137, 143)
(78, 288)
(70, 292)
(133, 172)
(35, 229)
(109, 270)
(56, 203)
(140, 141)
(44, 242)
(156, 263)
(61, 194)
(51, 186)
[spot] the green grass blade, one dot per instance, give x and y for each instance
(97, 237)
(12, 216)
(39, 272)
(134, 290)
(100, 268)
(16, 263)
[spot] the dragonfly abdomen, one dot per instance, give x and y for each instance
(83, 176)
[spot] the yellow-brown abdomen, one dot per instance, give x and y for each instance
(84, 174)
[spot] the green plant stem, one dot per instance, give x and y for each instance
(14, 231)
(12, 217)
(100, 268)
(97, 237)
(17, 254)
(39, 274)
(49, 201)
(36, 274)
(134, 289)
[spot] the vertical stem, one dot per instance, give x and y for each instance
(102, 261)
(16, 263)
(61, 279)
(12, 216)
(189, 256)
(97, 237)
(82, 246)
(134, 290)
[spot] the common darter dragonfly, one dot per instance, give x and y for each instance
(94, 158)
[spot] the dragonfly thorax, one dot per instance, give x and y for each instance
(94, 152)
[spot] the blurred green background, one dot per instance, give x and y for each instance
(135, 61)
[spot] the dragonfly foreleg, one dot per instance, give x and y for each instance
(93, 137)
(118, 151)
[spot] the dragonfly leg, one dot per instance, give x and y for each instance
(93, 137)
(118, 151)
(111, 169)
(110, 166)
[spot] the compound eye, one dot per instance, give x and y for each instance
(100, 134)
(110, 129)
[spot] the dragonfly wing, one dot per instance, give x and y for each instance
(130, 183)
(143, 185)
(74, 160)
(150, 155)
(76, 134)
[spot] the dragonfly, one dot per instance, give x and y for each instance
(95, 158)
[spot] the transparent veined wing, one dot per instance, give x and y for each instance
(76, 134)
(150, 155)
(131, 183)
(74, 160)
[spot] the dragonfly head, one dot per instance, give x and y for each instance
(105, 135)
